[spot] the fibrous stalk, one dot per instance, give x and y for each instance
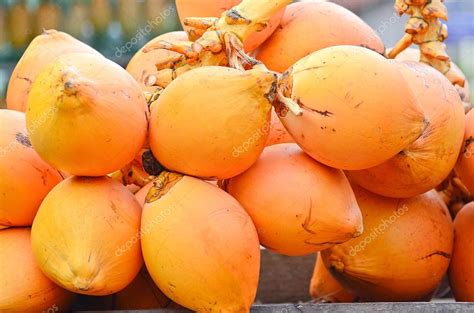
(216, 41)
(425, 29)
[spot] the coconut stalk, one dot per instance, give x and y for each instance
(215, 41)
(425, 29)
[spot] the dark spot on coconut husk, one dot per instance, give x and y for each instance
(280, 109)
(234, 17)
(25, 79)
(467, 143)
(151, 164)
(271, 94)
(439, 253)
(23, 139)
(324, 113)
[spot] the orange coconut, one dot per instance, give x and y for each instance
(25, 178)
(465, 164)
(199, 245)
(42, 50)
(215, 8)
(425, 163)
(86, 236)
(403, 253)
(310, 26)
(356, 109)
(142, 64)
(23, 287)
(413, 54)
(277, 132)
(325, 288)
(298, 205)
(86, 115)
(461, 271)
(210, 122)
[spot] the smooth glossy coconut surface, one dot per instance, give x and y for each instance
(199, 245)
(142, 64)
(298, 205)
(25, 179)
(425, 163)
(210, 122)
(23, 287)
(413, 54)
(42, 50)
(357, 110)
(465, 164)
(309, 26)
(403, 253)
(86, 115)
(215, 8)
(461, 271)
(86, 236)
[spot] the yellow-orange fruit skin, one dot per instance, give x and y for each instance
(298, 205)
(143, 64)
(310, 26)
(86, 115)
(200, 246)
(461, 270)
(325, 288)
(358, 110)
(413, 54)
(23, 287)
(25, 179)
(42, 50)
(465, 165)
(215, 8)
(85, 236)
(224, 108)
(403, 253)
(425, 163)
(277, 132)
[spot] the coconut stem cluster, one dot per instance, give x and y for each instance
(425, 29)
(215, 41)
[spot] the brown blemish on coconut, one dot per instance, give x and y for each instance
(324, 113)
(438, 253)
(234, 17)
(23, 139)
(467, 143)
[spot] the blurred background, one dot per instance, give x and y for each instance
(118, 28)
